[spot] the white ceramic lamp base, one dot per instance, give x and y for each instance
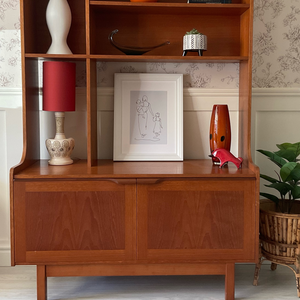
(60, 148)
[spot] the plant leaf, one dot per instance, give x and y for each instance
(284, 146)
(294, 147)
(268, 178)
(285, 171)
(288, 154)
(282, 187)
(295, 174)
(271, 197)
(296, 192)
(279, 161)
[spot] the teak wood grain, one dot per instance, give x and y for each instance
(136, 269)
(41, 279)
(92, 220)
(108, 169)
(75, 221)
(196, 220)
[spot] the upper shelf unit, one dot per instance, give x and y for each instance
(141, 25)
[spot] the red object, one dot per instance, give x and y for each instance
(59, 86)
(220, 132)
(225, 156)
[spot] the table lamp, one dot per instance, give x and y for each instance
(59, 96)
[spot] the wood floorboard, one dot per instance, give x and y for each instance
(19, 283)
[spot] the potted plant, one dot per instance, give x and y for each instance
(280, 212)
(194, 41)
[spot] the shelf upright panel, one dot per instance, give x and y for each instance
(245, 84)
(30, 108)
(30, 90)
(91, 82)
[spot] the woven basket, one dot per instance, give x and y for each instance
(279, 232)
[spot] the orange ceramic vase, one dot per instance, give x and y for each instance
(219, 132)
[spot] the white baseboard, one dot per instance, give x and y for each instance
(5, 258)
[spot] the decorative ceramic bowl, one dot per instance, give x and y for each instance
(132, 50)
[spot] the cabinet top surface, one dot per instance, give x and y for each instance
(109, 169)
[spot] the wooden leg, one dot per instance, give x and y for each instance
(229, 282)
(257, 269)
(41, 281)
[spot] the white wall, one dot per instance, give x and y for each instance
(10, 153)
(275, 120)
(10, 112)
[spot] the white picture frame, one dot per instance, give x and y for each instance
(148, 117)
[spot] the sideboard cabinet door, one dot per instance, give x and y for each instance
(74, 221)
(196, 220)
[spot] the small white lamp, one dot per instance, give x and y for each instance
(59, 96)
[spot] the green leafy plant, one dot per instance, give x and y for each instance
(288, 177)
(193, 31)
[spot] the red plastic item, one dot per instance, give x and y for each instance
(225, 156)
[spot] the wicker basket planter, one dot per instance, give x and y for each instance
(279, 238)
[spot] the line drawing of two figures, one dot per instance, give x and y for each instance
(143, 108)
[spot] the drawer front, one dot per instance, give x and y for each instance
(197, 220)
(71, 221)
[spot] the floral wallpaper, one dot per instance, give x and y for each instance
(276, 54)
(202, 75)
(10, 44)
(276, 43)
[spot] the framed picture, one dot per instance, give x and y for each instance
(148, 117)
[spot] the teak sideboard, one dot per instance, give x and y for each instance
(97, 217)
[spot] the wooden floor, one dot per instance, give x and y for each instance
(19, 283)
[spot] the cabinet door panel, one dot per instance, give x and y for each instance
(75, 221)
(196, 220)
(68, 221)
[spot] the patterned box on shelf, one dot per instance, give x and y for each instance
(195, 42)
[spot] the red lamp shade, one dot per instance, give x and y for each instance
(59, 86)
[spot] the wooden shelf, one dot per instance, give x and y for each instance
(140, 58)
(170, 8)
(110, 169)
(180, 59)
(44, 56)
